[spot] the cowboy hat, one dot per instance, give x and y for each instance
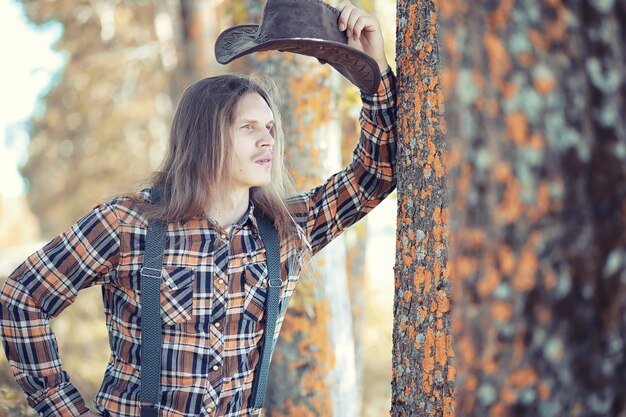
(306, 27)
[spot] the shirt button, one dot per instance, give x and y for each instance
(220, 281)
(209, 410)
(217, 324)
(224, 236)
(216, 367)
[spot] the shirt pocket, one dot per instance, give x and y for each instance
(255, 288)
(256, 285)
(177, 290)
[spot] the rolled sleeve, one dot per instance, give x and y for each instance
(62, 401)
(40, 289)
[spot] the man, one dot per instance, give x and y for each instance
(222, 168)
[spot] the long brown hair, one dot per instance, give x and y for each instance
(198, 161)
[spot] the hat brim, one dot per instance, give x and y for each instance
(356, 66)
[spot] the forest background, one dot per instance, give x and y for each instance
(108, 75)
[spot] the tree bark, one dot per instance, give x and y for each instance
(423, 375)
(313, 371)
(535, 102)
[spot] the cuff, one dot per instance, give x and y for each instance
(380, 108)
(64, 401)
(385, 92)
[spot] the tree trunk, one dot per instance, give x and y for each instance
(313, 369)
(535, 102)
(423, 375)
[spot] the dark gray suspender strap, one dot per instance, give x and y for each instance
(269, 235)
(150, 375)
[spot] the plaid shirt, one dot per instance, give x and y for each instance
(213, 289)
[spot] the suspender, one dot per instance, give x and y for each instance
(269, 236)
(150, 375)
(151, 345)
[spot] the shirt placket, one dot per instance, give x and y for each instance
(218, 321)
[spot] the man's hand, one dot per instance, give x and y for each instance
(363, 30)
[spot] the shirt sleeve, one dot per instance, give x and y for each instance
(40, 289)
(350, 194)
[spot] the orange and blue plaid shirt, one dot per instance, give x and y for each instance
(212, 294)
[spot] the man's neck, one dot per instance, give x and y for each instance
(230, 208)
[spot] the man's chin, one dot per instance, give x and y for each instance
(261, 184)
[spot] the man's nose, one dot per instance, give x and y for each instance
(267, 139)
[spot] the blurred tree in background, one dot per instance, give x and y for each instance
(536, 95)
(106, 119)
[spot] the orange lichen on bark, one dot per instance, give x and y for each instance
(543, 314)
(519, 346)
(524, 278)
(549, 278)
(544, 391)
(557, 30)
(408, 260)
(465, 349)
(517, 127)
(451, 373)
(301, 410)
(309, 95)
(523, 377)
(314, 343)
(526, 59)
(499, 62)
(501, 311)
(489, 365)
(544, 85)
(510, 208)
(489, 282)
(422, 277)
(502, 171)
(499, 18)
(543, 205)
(464, 266)
(538, 39)
(441, 348)
(451, 7)
(443, 301)
(506, 259)
(497, 410)
(428, 364)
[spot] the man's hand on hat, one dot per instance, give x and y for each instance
(363, 30)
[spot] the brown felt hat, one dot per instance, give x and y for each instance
(306, 27)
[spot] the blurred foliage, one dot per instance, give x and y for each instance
(104, 123)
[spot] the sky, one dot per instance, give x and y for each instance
(29, 65)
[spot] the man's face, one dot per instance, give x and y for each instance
(252, 143)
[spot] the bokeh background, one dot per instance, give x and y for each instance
(87, 90)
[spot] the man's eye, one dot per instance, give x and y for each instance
(247, 127)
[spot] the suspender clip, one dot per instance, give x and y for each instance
(150, 272)
(275, 282)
